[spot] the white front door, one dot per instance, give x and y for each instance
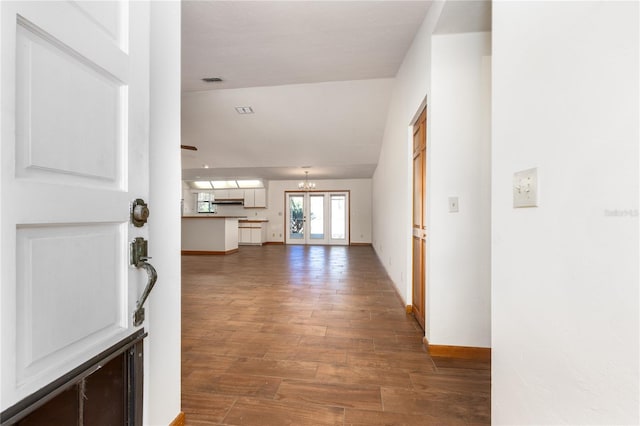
(317, 218)
(74, 154)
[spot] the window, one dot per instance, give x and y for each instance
(205, 203)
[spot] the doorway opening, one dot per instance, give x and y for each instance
(317, 217)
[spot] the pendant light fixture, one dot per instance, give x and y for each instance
(306, 185)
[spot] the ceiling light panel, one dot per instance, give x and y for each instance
(247, 183)
(202, 184)
(224, 184)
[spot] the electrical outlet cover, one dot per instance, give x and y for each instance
(525, 188)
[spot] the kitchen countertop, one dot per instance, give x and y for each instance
(207, 216)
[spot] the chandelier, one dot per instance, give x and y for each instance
(306, 185)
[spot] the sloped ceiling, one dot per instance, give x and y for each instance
(322, 125)
(464, 16)
(318, 75)
(272, 43)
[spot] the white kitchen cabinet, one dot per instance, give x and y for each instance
(260, 197)
(244, 235)
(254, 233)
(255, 197)
(249, 198)
(229, 194)
(236, 194)
(221, 194)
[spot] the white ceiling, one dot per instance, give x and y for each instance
(332, 124)
(317, 73)
(270, 43)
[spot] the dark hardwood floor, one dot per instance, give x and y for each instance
(294, 335)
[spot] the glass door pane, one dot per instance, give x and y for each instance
(316, 216)
(296, 217)
(338, 217)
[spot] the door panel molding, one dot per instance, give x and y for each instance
(56, 324)
(49, 143)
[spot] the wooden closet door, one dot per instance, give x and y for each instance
(419, 226)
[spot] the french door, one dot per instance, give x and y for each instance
(317, 218)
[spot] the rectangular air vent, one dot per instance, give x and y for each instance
(244, 110)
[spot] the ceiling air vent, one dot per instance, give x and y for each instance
(244, 110)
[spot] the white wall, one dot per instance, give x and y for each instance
(360, 199)
(162, 350)
(391, 184)
(452, 72)
(565, 274)
(459, 155)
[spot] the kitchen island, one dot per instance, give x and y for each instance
(210, 234)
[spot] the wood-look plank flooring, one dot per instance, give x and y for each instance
(315, 335)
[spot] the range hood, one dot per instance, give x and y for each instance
(229, 202)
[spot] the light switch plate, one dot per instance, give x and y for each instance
(525, 188)
(453, 205)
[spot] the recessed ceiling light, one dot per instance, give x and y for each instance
(244, 110)
(212, 79)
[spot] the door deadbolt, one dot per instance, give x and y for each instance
(139, 212)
